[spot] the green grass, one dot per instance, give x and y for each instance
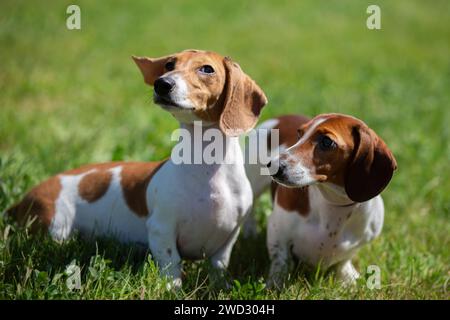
(74, 97)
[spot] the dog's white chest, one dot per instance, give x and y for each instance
(204, 202)
(327, 235)
(325, 242)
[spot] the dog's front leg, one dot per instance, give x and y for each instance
(162, 243)
(221, 259)
(278, 244)
(280, 265)
(250, 229)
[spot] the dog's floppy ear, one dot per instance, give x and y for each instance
(243, 101)
(151, 68)
(372, 165)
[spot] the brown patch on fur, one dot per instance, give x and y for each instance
(371, 167)
(292, 199)
(135, 178)
(94, 185)
(243, 102)
(38, 203)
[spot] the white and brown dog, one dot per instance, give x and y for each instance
(182, 210)
(326, 201)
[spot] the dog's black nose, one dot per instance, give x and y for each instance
(279, 171)
(164, 85)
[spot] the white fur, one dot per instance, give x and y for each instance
(350, 225)
(295, 176)
(180, 93)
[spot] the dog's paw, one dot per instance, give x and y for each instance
(347, 274)
(174, 284)
(275, 283)
(220, 280)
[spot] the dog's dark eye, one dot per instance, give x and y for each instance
(325, 143)
(206, 69)
(170, 65)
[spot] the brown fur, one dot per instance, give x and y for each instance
(291, 199)
(243, 101)
(94, 185)
(38, 203)
(329, 166)
(134, 180)
(371, 167)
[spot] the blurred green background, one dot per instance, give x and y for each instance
(69, 97)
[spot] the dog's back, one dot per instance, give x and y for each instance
(95, 199)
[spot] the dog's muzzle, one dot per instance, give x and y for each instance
(163, 86)
(277, 170)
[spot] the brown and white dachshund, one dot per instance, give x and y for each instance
(326, 195)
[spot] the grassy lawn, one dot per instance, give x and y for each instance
(73, 97)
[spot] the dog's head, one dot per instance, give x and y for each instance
(341, 150)
(202, 85)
